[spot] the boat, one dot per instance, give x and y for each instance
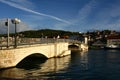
(112, 46)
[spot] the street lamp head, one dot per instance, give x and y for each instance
(16, 21)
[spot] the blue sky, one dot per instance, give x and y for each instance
(72, 15)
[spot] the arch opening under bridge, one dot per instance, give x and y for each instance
(31, 61)
(73, 46)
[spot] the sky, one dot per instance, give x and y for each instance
(69, 15)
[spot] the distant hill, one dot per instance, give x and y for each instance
(47, 33)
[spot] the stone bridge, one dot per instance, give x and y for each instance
(10, 56)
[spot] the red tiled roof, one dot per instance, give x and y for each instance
(113, 37)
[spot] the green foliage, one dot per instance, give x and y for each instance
(47, 32)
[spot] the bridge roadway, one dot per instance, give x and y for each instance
(10, 56)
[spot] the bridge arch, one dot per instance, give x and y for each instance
(73, 46)
(30, 56)
(31, 59)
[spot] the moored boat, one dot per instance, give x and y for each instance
(112, 47)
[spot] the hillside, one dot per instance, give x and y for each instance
(43, 33)
(47, 32)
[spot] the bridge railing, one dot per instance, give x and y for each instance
(31, 41)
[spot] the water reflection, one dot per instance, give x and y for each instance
(79, 59)
(51, 65)
(84, 60)
(12, 73)
(54, 68)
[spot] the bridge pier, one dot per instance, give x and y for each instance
(84, 47)
(11, 57)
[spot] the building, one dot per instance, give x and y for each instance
(113, 42)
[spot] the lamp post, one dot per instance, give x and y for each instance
(7, 24)
(15, 21)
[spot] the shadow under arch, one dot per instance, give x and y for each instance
(32, 61)
(73, 46)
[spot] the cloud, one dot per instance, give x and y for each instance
(107, 17)
(85, 11)
(79, 23)
(24, 3)
(14, 4)
(20, 27)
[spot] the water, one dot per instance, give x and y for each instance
(91, 65)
